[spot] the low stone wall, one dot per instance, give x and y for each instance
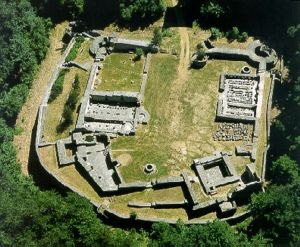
(75, 64)
(191, 192)
(268, 125)
(40, 122)
(206, 205)
(40, 126)
(121, 44)
(145, 74)
(43, 107)
(85, 99)
(56, 71)
(158, 204)
(248, 55)
(118, 172)
(167, 182)
(115, 96)
(134, 186)
(112, 214)
(63, 158)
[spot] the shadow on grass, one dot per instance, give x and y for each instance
(39, 175)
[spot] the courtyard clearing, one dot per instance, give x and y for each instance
(121, 72)
(173, 149)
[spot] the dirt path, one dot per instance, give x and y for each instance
(179, 84)
(27, 116)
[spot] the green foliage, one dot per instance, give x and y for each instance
(195, 25)
(214, 234)
(284, 170)
(74, 94)
(139, 53)
(70, 106)
(70, 9)
(141, 10)
(24, 42)
(276, 213)
(233, 33)
(133, 215)
(242, 37)
(73, 52)
(166, 32)
(74, 8)
(12, 101)
(215, 33)
(157, 36)
(293, 31)
(58, 85)
(201, 54)
(212, 8)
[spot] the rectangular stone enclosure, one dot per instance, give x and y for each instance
(215, 171)
(238, 97)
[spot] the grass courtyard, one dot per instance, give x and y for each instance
(181, 123)
(120, 73)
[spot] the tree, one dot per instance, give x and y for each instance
(139, 53)
(70, 9)
(141, 10)
(212, 234)
(215, 33)
(276, 213)
(212, 9)
(284, 170)
(233, 33)
(157, 36)
(242, 37)
(293, 31)
(200, 54)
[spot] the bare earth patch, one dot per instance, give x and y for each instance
(124, 159)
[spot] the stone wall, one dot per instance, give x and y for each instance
(250, 55)
(268, 125)
(116, 97)
(145, 74)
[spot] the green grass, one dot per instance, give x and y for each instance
(83, 55)
(74, 51)
(58, 85)
(172, 150)
(121, 73)
(56, 107)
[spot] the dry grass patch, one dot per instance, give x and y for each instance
(68, 174)
(234, 44)
(27, 116)
(200, 194)
(198, 35)
(119, 203)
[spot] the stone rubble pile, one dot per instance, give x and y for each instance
(232, 132)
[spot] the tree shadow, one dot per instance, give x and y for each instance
(170, 18)
(40, 176)
(100, 14)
